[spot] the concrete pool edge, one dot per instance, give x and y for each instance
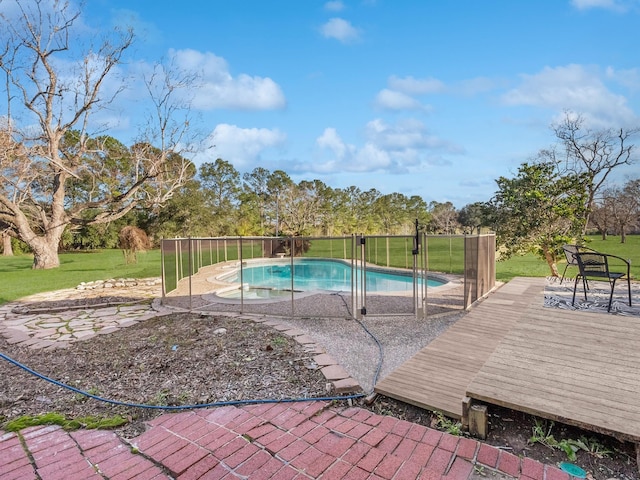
(208, 282)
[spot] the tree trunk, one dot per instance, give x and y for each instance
(551, 261)
(623, 235)
(45, 255)
(7, 249)
(604, 234)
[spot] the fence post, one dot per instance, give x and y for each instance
(190, 275)
(162, 270)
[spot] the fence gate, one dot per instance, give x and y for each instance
(381, 290)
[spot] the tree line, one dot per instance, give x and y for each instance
(65, 184)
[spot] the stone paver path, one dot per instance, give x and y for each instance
(306, 440)
(58, 328)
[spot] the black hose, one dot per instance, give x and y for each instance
(173, 407)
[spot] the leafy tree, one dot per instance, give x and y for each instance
(221, 184)
(186, 214)
(417, 209)
(278, 184)
(473, 217)
(330, 221)
(344, 212)
(254, 197)
(444, 218)
(364, 208)
(539, 211)
(396, 213)
(54, 173)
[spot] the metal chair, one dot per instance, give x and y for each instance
(596, 265)
(569, 250)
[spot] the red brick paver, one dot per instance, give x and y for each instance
(271, 441)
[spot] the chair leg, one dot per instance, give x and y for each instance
(629, 289)
(613, 285)
(585, 286)
(565, 271)
(575, 286)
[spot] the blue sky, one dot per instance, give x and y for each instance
(429, 98)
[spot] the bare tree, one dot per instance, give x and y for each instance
(7, 248)
(602, 214)
(55, 172)
(626, 207)
(595, 153)
(300, 207)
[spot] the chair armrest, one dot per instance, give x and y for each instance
(627, 262)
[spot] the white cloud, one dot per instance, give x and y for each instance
(219, 89)
(243, 146)
(627, 78)
(334, 6)
(396, 148)
(346, 157)
(572, 87)
(406, 134)
(332, 141)
(474, 86)
(341, 30)
(402, 91)
(615, 5)
(371, 158)
(416, 86)
(392, 100)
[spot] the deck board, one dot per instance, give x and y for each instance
(575, 367)
(579, 368)
(437, 376)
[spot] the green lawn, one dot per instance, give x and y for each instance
(531, 266)
(17, 279)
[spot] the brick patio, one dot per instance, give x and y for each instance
(302, 440)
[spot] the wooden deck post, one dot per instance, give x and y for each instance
(478, 420)
(466, 404)
(475, 418)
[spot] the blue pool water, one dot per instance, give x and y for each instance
(322, 274)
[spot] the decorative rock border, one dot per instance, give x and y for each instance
(119, 283)
(337, 377)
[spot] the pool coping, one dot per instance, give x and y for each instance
(213, 277)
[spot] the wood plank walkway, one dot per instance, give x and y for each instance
(580, 368)
(436, 378)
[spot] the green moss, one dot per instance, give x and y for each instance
(29, 421)
(68, 424)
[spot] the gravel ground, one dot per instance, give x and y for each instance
(328, 319)
(348, 342)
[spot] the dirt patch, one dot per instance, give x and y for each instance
(515, 432)
(183, 359)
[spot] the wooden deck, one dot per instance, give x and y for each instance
(436, 378)
(577, 368)
(574, 367)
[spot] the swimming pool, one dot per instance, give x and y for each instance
(318, 274)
